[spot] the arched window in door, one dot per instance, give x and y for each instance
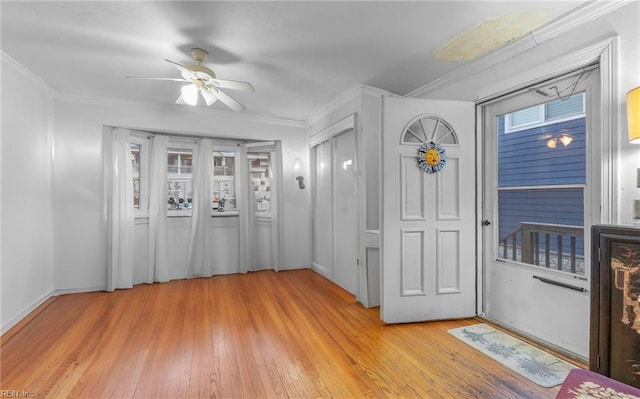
(429, 128)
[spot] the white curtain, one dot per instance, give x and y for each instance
(200, 260)
(118, 193)
(158, 269)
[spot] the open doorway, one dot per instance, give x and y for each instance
(538, 199)
(262, 234)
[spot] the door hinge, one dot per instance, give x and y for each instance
(357, 261)
(598, 362)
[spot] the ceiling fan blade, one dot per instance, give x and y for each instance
(173, 79)
(180, 100)
(229, 102)
(185, 71)
(208, 95)
(231, 84)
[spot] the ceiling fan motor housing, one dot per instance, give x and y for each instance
(198, 69)
(199, 54)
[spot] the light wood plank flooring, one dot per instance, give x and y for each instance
(291, 334)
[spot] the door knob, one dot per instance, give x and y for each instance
(485, 222)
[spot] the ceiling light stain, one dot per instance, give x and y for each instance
(491, 35)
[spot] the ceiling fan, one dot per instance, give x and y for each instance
(203, 80)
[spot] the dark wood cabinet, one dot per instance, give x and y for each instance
(615, 303)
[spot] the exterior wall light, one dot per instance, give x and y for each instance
(297, 167)
(565, 139)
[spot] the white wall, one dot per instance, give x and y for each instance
(79, 256)
(622, 22)
(27, 241)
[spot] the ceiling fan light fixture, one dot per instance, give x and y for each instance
(204, 81)
(208, 95)
(190, 94)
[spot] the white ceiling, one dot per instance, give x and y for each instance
(298, 55)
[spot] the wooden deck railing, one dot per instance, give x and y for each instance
(524, 245)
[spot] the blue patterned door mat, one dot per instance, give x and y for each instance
(533, 363)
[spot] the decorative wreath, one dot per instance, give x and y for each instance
(431, 157)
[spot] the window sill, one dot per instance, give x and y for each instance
(144, 219)
(180, 213)
(225, 213)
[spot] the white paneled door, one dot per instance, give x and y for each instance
(428, 231)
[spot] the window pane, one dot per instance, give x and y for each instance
(223, 187)
(259, 170)
(179, 185)
(573, 105)
(527, 159)
(186, 161)
(135, 165)
(542, 227)
(179, 161)
(539, 224)
(525, 116)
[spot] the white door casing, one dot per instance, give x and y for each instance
(428, 220)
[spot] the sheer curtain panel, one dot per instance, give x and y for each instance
(200, 259)
(118, 193)
(158, 270)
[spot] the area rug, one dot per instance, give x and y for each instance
(535, 364)
(585, 384)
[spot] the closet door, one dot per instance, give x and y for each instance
(345, 211)
(335, 210)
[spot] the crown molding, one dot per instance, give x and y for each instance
(582, 15)
(343, 125)
(374, 91)
(9, 62)
(344, 98)
(111, 101)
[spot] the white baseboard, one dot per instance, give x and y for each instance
(26, 312)
(6, 327)
(281, 269)
(321, 270)
(78, 290)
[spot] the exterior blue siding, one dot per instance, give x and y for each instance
(525, 159)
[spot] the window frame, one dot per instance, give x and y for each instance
(143, 205)
(236, 176)
(179, 145)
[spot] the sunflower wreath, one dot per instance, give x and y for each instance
(431, 157)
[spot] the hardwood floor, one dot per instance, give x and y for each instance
(290, 334)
